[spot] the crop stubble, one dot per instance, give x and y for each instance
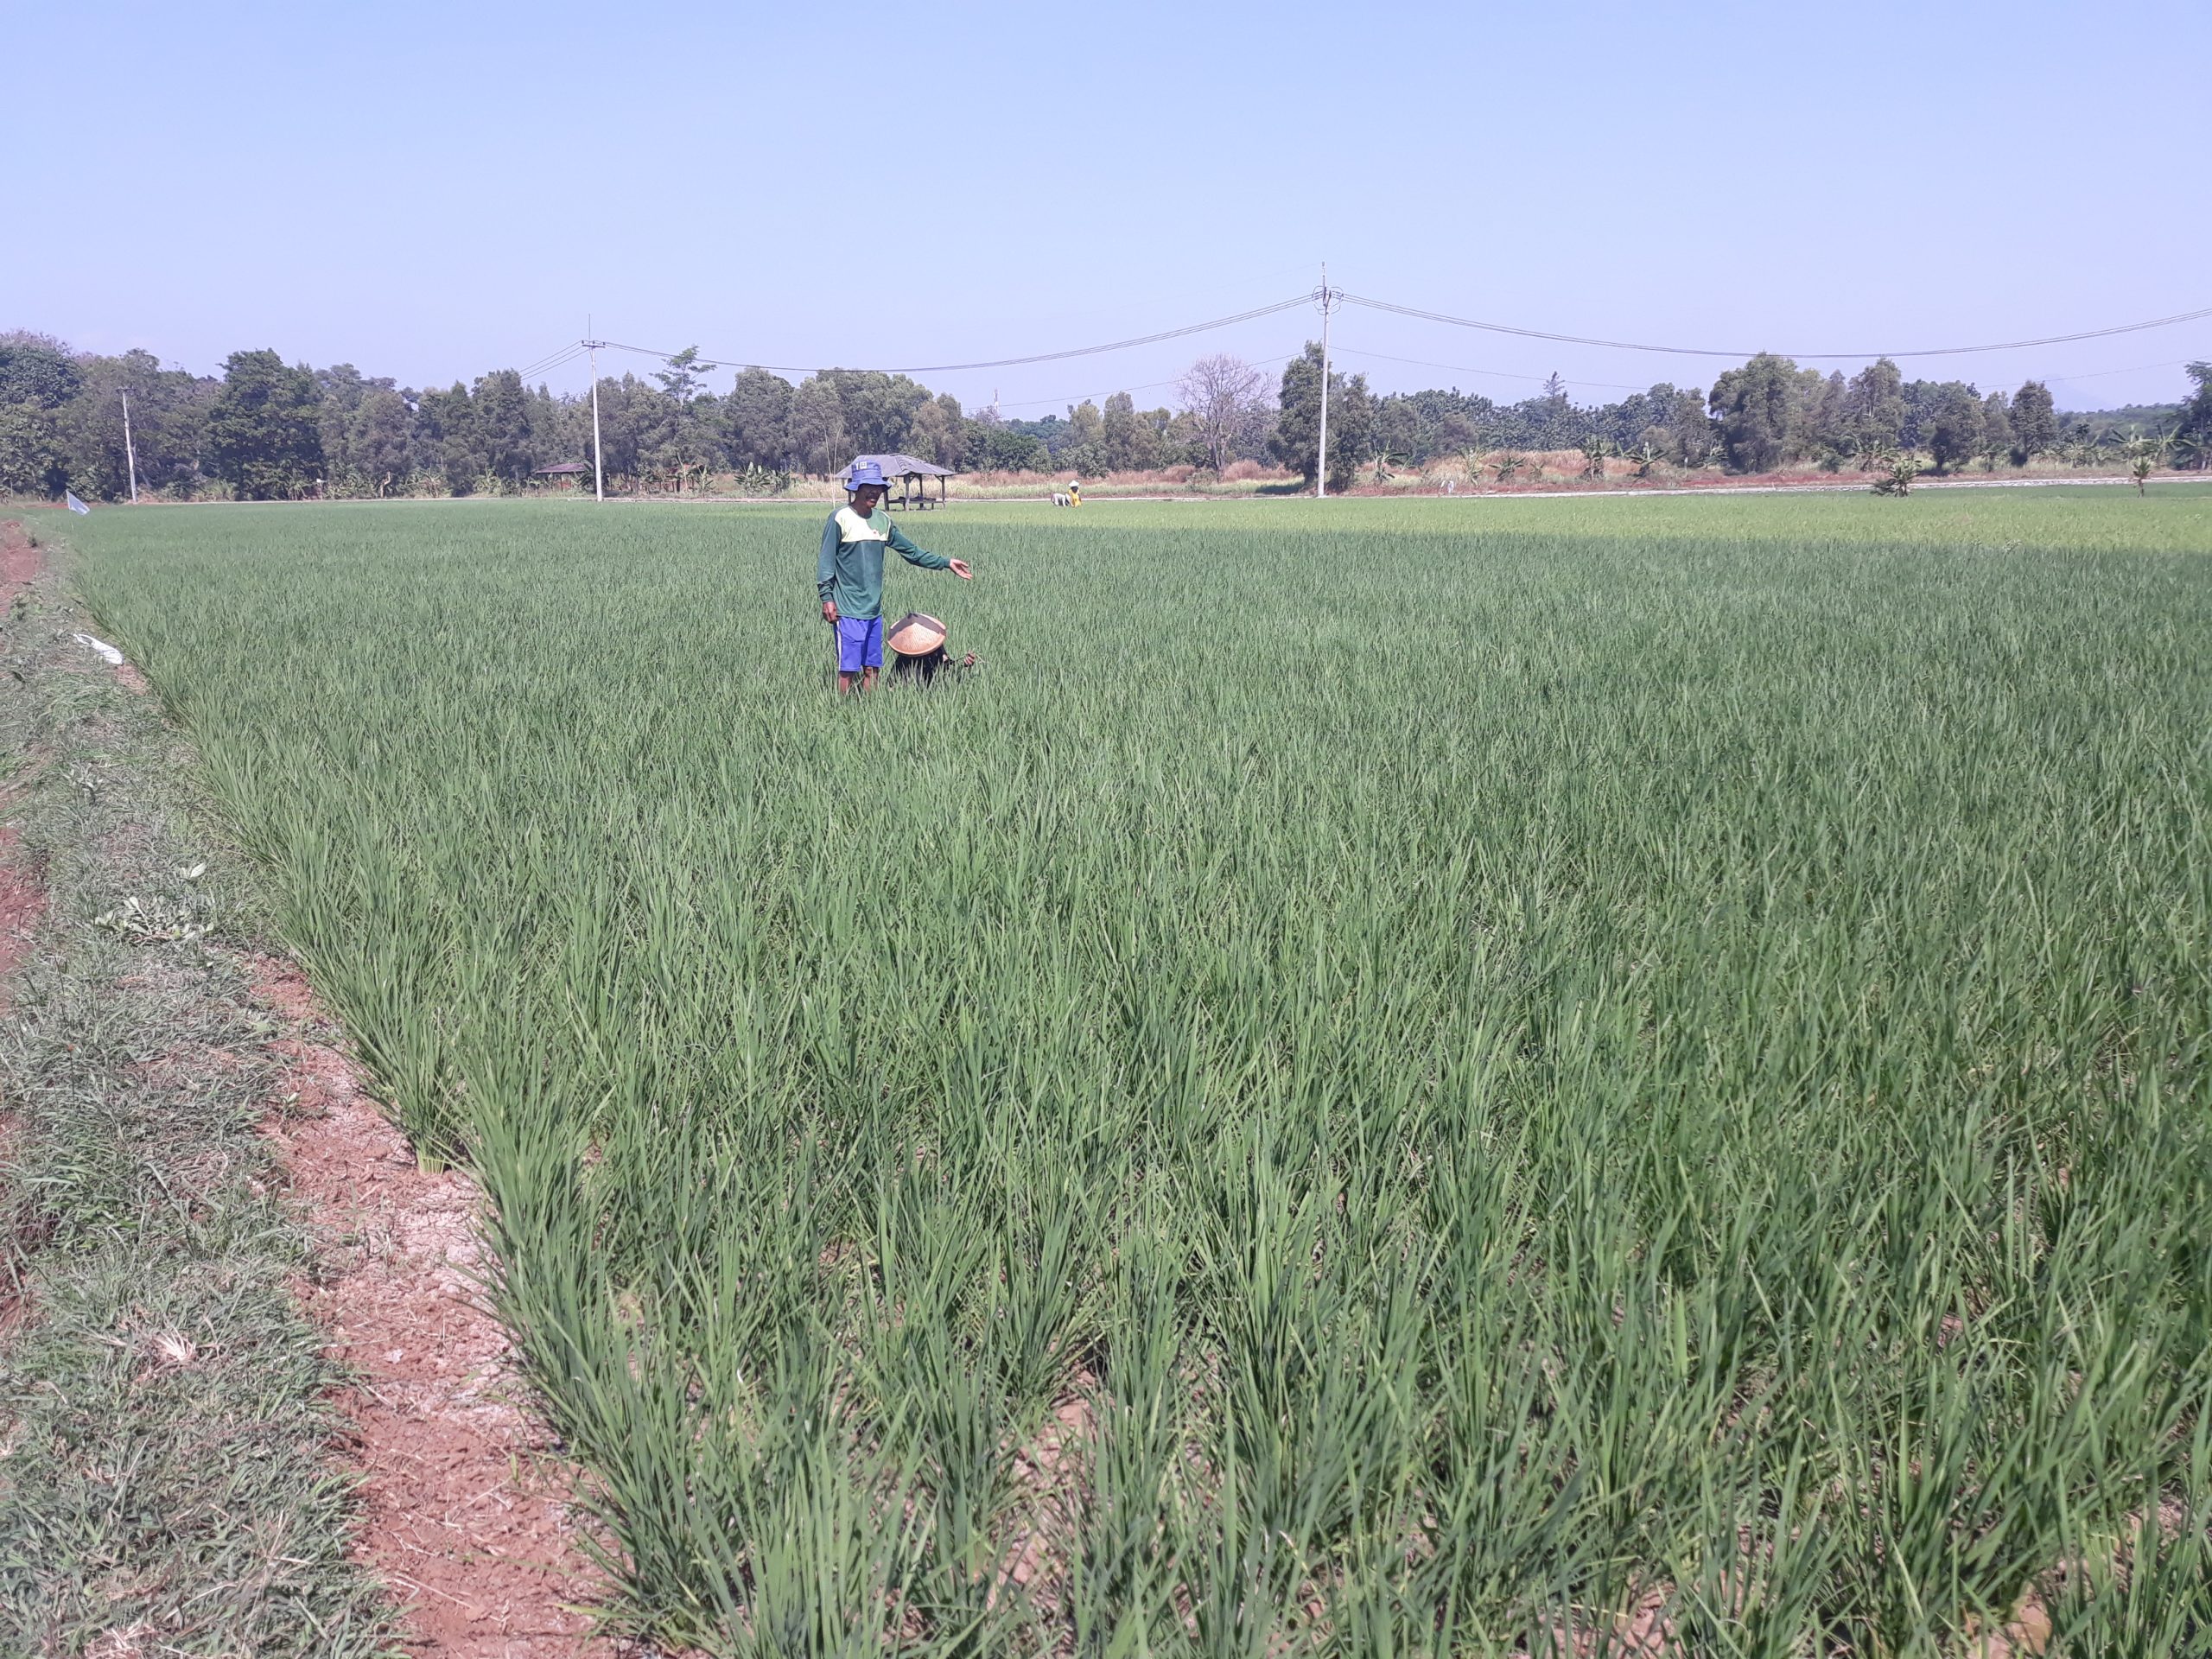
(1457, 1076)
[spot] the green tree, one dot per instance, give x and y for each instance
(168, 420)
(1827, 417)
(37, 370)
(1758, 412)
(684, 447)
(1297, 441)
(625, 427)
(1182, 441)
(681, 378)
(2193, 432)
(1084, 453)
(817, 431)
(995, 446)
(2034, 422)
(939, 432)
(164, 428)
(1954, 425)
(450, 440)
(1874, 410)
(1397, 433)
(1131, 442)
(1996, 430)
(377, 441)
(501, 410)
(560, 428)
(343, 387)
(1688, 428)
(30, 451)
(265, 436)
(757, 420)
(876, 411)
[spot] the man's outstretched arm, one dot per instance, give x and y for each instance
(928, 560)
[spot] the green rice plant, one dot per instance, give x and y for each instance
(1420, 1077)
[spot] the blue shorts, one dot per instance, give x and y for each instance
(860, 644)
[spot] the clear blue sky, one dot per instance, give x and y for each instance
(433, 191)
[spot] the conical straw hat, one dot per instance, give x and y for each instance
(915, 635)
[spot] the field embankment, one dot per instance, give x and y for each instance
(1377, 1078)
(167, 1483)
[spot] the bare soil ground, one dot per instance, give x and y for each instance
(22, 886)
(464, 1502)
(459, 1501)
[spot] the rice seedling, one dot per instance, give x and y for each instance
(1408, 1077)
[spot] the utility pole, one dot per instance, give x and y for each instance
(598, 473)
(129, 452)
(1327, 299)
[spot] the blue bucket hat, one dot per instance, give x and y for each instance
(866, 472)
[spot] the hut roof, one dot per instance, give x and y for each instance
(564, 469)
(900, 466)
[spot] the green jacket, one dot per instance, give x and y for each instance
(850, 570)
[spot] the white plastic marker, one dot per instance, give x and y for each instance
(101, 649)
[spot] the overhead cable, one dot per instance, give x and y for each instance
(994, 363)
(551, 361)
(1149, 385)
(1469, 368)
(569, 352)
(1709, 351)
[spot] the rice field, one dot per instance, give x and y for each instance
(1386, 1079)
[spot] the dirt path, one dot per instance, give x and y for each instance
(463, 1499)
(462, 1506)
(22, 891)
(22, 885)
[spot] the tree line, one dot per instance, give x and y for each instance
(266, 429)
(1771, 414)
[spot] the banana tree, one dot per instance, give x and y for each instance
(1897, 481)
(2145, 453)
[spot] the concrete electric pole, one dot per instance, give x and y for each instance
(1327, 298)
(598, 473)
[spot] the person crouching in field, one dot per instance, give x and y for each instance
(849, 575)
(917, 640)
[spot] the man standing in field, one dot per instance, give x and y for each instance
(849, 575)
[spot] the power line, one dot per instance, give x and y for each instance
(994, 363)
(559, 359)
(538, 366)
(1706, 351)
(2099, 374)
(1467, 368)
(574, 349)
(1149, 385)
